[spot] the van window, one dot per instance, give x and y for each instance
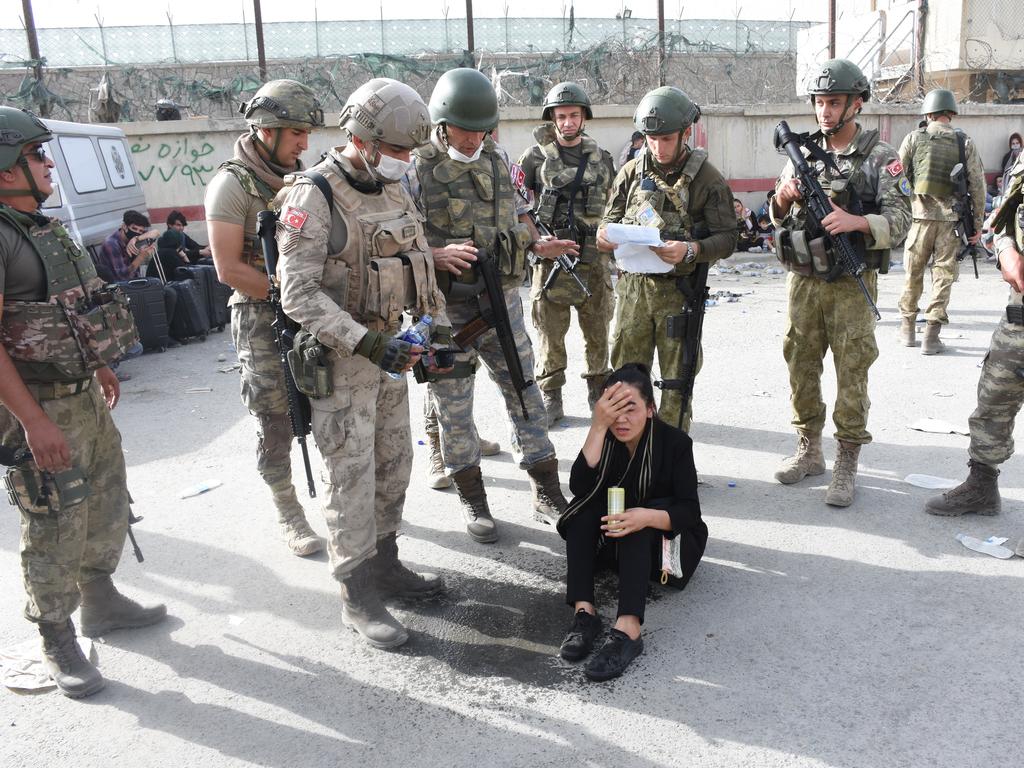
(55, 200)
(84, 166)
(115, 155)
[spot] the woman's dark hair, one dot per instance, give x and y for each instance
(636, 375)
(176, 217)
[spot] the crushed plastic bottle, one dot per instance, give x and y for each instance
(418, 334)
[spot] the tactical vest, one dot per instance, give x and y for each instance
(803, 251)
(384, 266)
(254, 186)
(82, 325)
(589, 201)
(1007, 219)
(934, 156)
(650, 192)
(472, 201)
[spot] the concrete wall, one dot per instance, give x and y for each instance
(177, 159)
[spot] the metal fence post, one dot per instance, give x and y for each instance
(33, 52)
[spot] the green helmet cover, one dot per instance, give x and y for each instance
(284, 104)
(18, 128)
(464, 98)
(939, 100)
(839, 76)
(567, 94)
(665, 110)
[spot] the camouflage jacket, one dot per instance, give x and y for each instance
(921, 147)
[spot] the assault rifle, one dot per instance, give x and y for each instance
(493, 314)
(299, 411)
(819, 205)
(964, 210)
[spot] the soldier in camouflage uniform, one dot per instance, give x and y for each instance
(348, 269)
(463, 185)
(60, 328)
(928, 155)
(570, 176)
(834, 315)
(1001, 386)
(280, 116)
(675, 188)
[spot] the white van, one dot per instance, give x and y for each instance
(94, 181)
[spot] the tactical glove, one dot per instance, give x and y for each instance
(391, 354)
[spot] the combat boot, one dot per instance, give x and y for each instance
(393, 579)
(437, 477)
(844, 475)
(548, 501)
(979, 494)
(907, 334)
(74, 674)
(480, 526)
(489, 448)
(930, 344)
(104, 609)
(363, 611)
(594, 388)
(808, 460)
(301, 539)
(553, 406)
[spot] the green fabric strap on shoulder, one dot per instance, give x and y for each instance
(249, 181)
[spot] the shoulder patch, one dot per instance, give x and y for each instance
(294, 217)
(905, 187)
(517, 174)
(895, 168)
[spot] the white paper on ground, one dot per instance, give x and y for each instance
(938, 427)
(984, 547)
(21, 666)
(930, 481)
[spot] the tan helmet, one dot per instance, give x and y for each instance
(284, 104)
(387, 110)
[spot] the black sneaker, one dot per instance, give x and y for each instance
(614, 656)
(580, 640)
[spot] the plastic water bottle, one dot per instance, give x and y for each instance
(418, 334)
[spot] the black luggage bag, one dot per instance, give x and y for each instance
(190, 316)
(215, 293)
(146, 301)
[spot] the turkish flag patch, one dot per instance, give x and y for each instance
(517, 174)
(294, 217)
(895, 168)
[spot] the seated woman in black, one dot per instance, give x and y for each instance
(628, 446)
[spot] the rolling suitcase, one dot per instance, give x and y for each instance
(215, 294)
(146, 301)
(190, 316)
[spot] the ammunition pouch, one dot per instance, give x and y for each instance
(511, 250)
(42, 493)
(809, 256)
(463, 369)
(310, 366)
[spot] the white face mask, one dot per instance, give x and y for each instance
(454, 154)
(391, 169)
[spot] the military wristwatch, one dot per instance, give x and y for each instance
(691, 254)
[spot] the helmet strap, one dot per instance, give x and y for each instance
(271, 151)
(33, 188)
(842, 118)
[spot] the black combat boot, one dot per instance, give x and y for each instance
(480, 526)
(104, 609)
(393, 579)
(363, 611)
(74, 674)
(548, 501)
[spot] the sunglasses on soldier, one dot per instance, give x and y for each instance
(39, 153)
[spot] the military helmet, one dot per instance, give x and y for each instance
(839, 76)
(665, 110)
(566, 95)
(939, 100)
(465, 98)
(283, 104)
(387, 110)
(18, 127)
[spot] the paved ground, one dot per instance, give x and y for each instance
(809, 636)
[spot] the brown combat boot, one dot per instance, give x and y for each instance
(489, 448)
(75, 675)
(300, 537)
(979, 494)
(808, 460)
(548, 501)
(844, 475)
(393, 579)
(480, 526)
(553, 406)
(104, 609)
(907, 334)
(930, 344)
(437, 477)
(363, 611)
(594, 387)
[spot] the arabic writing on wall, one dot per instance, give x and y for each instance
(182, 157)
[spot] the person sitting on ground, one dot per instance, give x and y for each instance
(175, 238)
(746, 226)
(766, 232)
(627, 446)
(129, 247)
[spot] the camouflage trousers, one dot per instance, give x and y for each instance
(930, 241)
(62, 548)
(362, 432)
(834, 316)
(451, 399)
(642, 305)
(1000, 396)
(551, 322)
(263, 393)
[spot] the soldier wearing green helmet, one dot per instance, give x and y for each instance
(60, 328)
(870, 195)
(673, 187)
(463, 182)
(281, 115)
(929, 155)
(569, 175)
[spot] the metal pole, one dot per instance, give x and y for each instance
(831, 29)
(174, 48)
(33, 51)
(470, 43)
(261, 51)
(382, 46)
(245, 32)
(922, 18)
(661, 42)
(316, 28)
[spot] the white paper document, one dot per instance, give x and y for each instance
(633, 253)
